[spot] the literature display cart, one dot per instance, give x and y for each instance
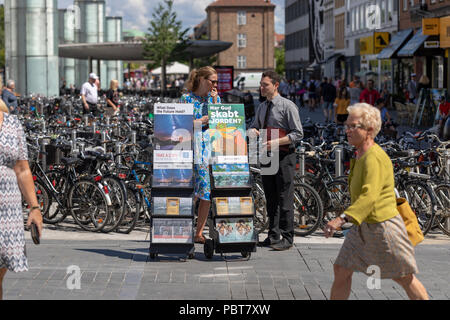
(231, 223)
(172, 214)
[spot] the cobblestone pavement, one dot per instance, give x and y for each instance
(116, 266)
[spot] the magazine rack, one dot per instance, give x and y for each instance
(172, 222)
(235, 224)
(172, 210)
(231, 223)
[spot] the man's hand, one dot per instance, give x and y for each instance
(253, 133)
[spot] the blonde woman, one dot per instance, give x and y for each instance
(112, 99)
(202, 90)
(378, 237)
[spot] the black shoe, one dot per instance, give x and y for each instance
(268, 242)
(282, 245)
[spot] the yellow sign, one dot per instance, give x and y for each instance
(373, 44)
(381, 41)
(445, 32)
(430, 26)
(366, 45)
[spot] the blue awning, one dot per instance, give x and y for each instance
(397, 41)
(413, 45)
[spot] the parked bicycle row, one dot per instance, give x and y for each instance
(97, 171)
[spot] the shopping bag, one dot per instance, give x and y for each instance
(415, 234)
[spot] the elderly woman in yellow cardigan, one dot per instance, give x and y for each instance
(378, 238)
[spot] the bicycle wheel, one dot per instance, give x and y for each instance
(42, 196)
(132, 209)
(55, 214)
(442, 217)
(336, 199)
(422, 202)
(88, 205)
(308, 210)
(118, 195)
(261, 220)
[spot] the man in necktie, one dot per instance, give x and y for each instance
(281, 120)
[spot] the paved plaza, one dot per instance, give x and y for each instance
(115, 266)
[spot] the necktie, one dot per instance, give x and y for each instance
(266, 118)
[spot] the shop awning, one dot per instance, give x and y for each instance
(396, 43)
(413, 45)
(334, 57)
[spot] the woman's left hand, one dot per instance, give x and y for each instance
(333, 226)
(35, 217)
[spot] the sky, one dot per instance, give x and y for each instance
(137, 13)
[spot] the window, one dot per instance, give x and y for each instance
(242, 62)
(241, 18)
(383, 11)
(242, 40)
(390, 10)
(405, 5)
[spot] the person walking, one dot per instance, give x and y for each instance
(89, 95)
(201, 91)
(112, 99)
(412, 89)
(355, 92)
(278, 115)
(328, 99)
(378, 237)
(341, 104)
(9, 97)
(312, 96)
(369, 95)
(15, 178)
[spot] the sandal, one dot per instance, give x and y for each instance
(199, 239)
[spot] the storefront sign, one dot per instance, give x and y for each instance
(430, 26)
(381, 40)
(366, 45)
(445, 32)
(374, 44)
(431, 44)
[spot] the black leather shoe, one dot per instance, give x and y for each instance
(282, 245)
(268, 242)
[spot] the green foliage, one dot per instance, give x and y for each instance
(279, 58)
(165, 40)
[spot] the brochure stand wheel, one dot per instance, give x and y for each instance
(208, 249)
(246, 254)
(153, 256)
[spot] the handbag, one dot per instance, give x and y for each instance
(415, 234)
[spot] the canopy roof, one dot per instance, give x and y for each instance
(175, 68)
(134, 51)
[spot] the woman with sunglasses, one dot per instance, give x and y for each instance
(201, 91)
(378, 238)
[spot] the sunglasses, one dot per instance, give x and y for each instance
(213, 81)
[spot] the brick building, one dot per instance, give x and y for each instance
(250, 25)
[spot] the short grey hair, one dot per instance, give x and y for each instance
(10, 83)
(369, 115)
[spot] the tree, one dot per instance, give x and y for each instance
(279, 58)
(165, 40)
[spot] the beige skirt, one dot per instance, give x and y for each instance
(385, 244)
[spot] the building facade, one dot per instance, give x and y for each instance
(298, 56)
(424, 58)
(250, 25)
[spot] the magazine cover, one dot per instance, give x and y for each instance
(172, 206)
(173, 126)
(227, 130)
(235, 230)
(172, 175)
(172, 230)
(234, 205)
